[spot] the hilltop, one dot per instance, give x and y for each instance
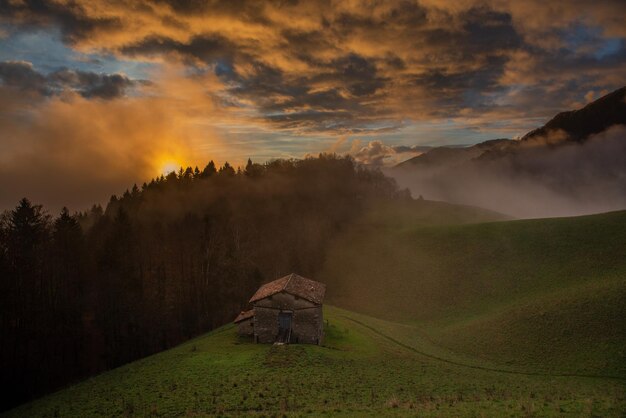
(578, 125)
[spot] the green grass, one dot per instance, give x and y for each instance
(544, 295)
(368, 367)
(467, 317)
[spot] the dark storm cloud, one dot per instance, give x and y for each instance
(204, 48)
(357, 74)
(347, 78)
(314, 120)
(249, 10)
(304, 44)
(271, 90)
(22, 76)
(244, 77)
(105, 86)
(72, 17)
(263, 82)
(185, 6)
(487, 30)
(358, 65)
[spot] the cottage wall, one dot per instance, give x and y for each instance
(284, 301)
(265, 324)
(307, 321)
(308, 326)
(246, 328)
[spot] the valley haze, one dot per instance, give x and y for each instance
(574, 165)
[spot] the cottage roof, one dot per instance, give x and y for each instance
(244, 315)
(293, 284)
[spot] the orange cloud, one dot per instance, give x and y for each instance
(70, 150)
(348, 67)
(231, 74)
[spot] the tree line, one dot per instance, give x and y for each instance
(180, 255)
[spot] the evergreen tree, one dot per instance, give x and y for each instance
(227, 170)
(209, 170)
(177, 258)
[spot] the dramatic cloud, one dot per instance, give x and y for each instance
(286, 78)
(355, 67)
(21, 75)
(92, 85)
(374, 154)
(69, 149)
(90, 148)
(377, 154)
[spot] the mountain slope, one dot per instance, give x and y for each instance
(575, 125)
(594, 118)
(543, 295)
(574, 165)
(443, 157)
(367, 367)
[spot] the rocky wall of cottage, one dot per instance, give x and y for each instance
(246, 328)
(307, 326)
(265, 324)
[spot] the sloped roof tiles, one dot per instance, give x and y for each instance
(295, 285)
(244, 315)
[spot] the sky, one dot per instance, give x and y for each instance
(96, 95)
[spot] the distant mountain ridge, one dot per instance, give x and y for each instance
(572, 126)
(594, 118)
(573, 165)
(440, 157)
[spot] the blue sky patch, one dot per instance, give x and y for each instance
(46, 51)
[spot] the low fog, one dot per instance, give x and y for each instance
(538, 180)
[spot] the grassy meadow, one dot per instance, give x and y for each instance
(367, 367)
(461, 312)
(544, 295)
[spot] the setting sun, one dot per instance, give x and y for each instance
(169, 160)
(169, 166)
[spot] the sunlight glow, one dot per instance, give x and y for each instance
(169, 166)
(168, 160)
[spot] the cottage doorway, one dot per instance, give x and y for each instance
(284, 326)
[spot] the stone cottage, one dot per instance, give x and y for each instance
(287, 310)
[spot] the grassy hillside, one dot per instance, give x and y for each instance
(467, 317)
(369, 367)
(406, 215)
(544, 295)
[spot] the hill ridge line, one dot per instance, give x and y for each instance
(456, 363)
